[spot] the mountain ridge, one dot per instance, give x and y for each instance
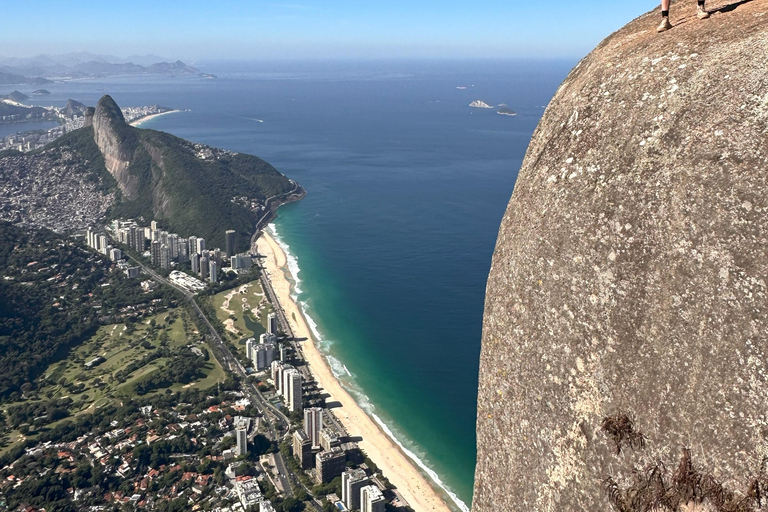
(187, 187)
(16, 70)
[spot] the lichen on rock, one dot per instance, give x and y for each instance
(630, 270)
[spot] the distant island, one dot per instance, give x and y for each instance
(9, 78)
(15, 96)
(41, 92)
(479, 104)
(506, 111)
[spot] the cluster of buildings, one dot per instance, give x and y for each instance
(319, 450)
(100, 243)
(359, 493)
(148, 488)
(267, 355)
(31, 140)
(28, 141)
(287, 381)
(250, 495)
(168, 249)
(51, 189)
(134, 113)
(266, 351)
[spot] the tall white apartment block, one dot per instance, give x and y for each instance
(292, 391)
(242, 439)
(371, 499)
(277, 375)
(313, 424)
(352, 480)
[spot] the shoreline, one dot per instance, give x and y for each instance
(382, 449)
(141, 120)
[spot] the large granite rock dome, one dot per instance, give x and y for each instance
(629, 277)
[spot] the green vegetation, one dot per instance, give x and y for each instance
(47, 475)
(196, 184)
(199, 191)
(160, 352)
(54, 294)
(137, 358)
(235, 310)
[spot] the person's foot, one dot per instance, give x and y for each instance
(701, 13)
(665, 25)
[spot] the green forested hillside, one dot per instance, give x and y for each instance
(53, 294)
(188, 188)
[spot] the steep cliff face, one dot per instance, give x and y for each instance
(117, 143)
(190, 188)
(629, 277)
(88, 117)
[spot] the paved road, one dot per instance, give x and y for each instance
(283, 474)
(229, 361)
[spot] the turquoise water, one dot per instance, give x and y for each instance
(406, 186)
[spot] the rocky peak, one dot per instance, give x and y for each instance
(117, 142)
(626, 314)
(88, 116)
(73, 108)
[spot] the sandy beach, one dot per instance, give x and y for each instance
(137, 122)
(395, 465)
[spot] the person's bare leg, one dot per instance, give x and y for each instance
(701, 12)
(665, 24)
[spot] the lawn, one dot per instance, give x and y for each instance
(243, 311)
(120, 346)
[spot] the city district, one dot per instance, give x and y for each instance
(250, 431)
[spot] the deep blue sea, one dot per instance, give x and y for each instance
(406, 186)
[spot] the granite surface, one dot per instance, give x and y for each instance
(629, 276)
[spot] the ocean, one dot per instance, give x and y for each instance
(390, 250)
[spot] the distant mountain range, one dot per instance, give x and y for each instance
(41, 69)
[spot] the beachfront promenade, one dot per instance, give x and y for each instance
(401, 471)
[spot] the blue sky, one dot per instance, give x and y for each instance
(194, 29)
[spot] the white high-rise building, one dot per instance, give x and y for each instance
(313, 424)
(284, 381)
(292, 389)
(195, 262)
(242, 439)
(371, 499)
(277, 375)
(173, 245)
(352, 480)
(264, 353)
(102, 244)
(200, 245)
(165, 257)
(214, 271)
(249, 343)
